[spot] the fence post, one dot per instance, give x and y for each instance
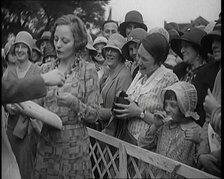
(122, 161)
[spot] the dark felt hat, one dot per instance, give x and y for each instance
(132, 17)
(45, 36)
(207, 40)
(136, 35)
(156, 44)
(192, 35)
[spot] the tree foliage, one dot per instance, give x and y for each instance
(37, 16)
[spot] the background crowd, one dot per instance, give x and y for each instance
(157, 88)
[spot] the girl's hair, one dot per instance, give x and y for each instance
(169, 95)
(78, 30)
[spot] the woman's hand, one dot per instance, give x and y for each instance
(127, 111)
(210, 102)
(192, 135)
(66, 99)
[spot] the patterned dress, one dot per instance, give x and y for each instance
(65, 153)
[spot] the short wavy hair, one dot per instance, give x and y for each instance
(77, 27)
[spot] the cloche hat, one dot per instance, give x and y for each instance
(132, 17)
(156, 44)
(116, 41)
(26, 38)
(100, 39)
(136, 35)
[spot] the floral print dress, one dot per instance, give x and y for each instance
(65, 153)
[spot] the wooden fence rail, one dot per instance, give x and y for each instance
(114, 158)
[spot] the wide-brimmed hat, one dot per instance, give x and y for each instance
(207, 40)
(100, 39)
(45, 36)
(187, 98)
(116, 41)
(26, 38)
(49, 51)
(193, 36)
(136, 35)
(132, 17)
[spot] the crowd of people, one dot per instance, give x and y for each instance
(159, 89)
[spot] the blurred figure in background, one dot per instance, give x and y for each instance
(36, 54)
(130, 49)
(133, 19)
(109, 27)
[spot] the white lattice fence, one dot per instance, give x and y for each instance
(113, 158)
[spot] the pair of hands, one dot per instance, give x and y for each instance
(127, 111)
(53, 78)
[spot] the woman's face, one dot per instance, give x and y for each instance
(133, 48)
(21, 51)
(189, 53)
(172, 109)
(112, 57)
(146, 62)
(130, 27)
(109, 29)
(64, 42)
(216, 48)
(99, 56)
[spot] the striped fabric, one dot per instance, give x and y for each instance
(147, 95)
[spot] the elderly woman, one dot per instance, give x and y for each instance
(65, 153)
(119, 77)
(23, 131)
(195, 68)
(145, 90)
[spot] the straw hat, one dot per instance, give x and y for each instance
(116, 41)
(187, 98)
(136, 35)
(132, 17)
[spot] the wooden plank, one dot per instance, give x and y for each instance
(152, 158)
(122, 162)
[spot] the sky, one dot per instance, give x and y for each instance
(155, 12)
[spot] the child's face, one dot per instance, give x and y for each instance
(172, 109)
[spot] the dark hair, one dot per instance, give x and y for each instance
(77, 27)
(109, 21)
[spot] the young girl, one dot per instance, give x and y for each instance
(176, 135)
